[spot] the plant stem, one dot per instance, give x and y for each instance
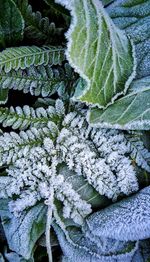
(48, 226)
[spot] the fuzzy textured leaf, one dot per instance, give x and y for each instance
(22, 232)
(133, 16)
(100, 52)
(127, 220)
(26, 56)
(129, 112)
(77, 247)
(11, 23)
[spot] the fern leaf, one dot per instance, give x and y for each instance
(26, 56)
(40, 80)
(37, 27)
(22, 118)
(139, 152)
(14, 145)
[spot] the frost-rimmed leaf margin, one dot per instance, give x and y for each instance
(133, 16)
(126, 220)
(120, 36)
(86, 250)
(22, 242)
(131, 112)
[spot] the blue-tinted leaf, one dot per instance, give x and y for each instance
(134, 17)
(22, 232)
(133, 110)
(80, 248)
(127, 220)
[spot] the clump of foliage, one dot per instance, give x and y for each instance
(74, 152)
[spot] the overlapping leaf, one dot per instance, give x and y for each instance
(127, 220)
(38, 29)
(133, 16)
(23, 232)
(99, 52)
(129, 112)
(35, 80)
(76, 246)
(133, 110)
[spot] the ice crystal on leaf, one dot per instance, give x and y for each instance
(36, 157)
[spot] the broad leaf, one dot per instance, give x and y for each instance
(77, 247)
(132, 111)
(129, 112)
(99, 52)
(127, 220)
(83, 188)
(134, 17)
(22, 232)
(11, 23)
(14, 257)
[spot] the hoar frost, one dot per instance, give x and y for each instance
(101, 156)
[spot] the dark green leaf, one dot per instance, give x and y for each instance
(11, 23)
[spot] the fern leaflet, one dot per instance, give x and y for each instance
(40, 80)
(22, 118)
(26, 56)
(37, 27)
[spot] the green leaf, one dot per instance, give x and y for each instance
(129, 112)
(134, 17)
(22, 232)
(83, 188)
(3, 95)
(11, 23)
(100, 52)
(38, 29)
(26, 56)
(133, 110)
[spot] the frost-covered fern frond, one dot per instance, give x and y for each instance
(36, 80)
(62, 161)
(138, 151)
(26, 56)
(37, 27)
(102, 157)
(22, 118)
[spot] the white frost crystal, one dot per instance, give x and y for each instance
(101, 156)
